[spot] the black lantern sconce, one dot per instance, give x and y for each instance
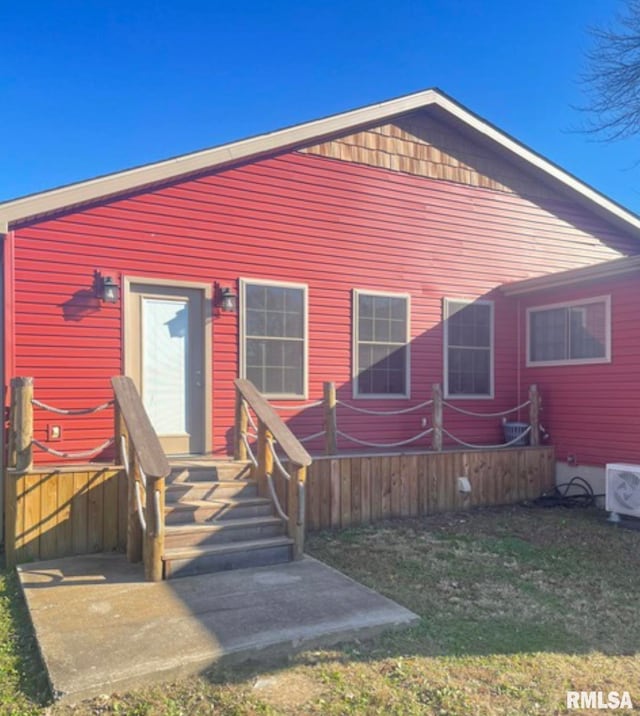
(228, 300)
(106, 289)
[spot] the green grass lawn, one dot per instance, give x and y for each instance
(518, 606)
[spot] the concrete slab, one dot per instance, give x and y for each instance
(101, 629)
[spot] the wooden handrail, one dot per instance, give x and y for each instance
(147, 468)
(287, 441)
(271, 428)
(153, 461)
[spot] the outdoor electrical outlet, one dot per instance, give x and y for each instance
(423, 422)
(572, 460)
(464, 485)
(54, 432)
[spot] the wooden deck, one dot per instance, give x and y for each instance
(350, 490)
(59, 511)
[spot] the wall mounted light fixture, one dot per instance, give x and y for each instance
(106, 289)
(228, 300)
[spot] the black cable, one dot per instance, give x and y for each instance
(582, 495)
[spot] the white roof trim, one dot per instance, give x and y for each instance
(121, 182)
(606, 269)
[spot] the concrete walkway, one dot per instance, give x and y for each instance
(101, 629)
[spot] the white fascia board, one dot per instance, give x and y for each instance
(602, 270)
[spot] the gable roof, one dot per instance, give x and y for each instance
(26, 208)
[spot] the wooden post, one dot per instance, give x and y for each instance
(241, 425)
(134, 528)
(534, 415)
(436, 413)
(154, 536)
(13, 416)
(23, 388)
(330, 423)
(296, 507)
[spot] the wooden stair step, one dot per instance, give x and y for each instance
(188, 561)
(194, 470)
(220, 508)
(221, 531)
(203, 490)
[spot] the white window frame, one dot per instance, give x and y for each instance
(446, 303)
(356, 293)
(243, 283)
(606, 300)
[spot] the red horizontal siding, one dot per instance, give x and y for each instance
(332, 225)
(592, 411)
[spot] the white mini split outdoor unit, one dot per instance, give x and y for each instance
(622, 489)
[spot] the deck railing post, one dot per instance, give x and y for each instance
(154, 535)
(330, 422)
(241, 425)
(534, 415)
(436, 408)
(13, 416)
(22, 429)
(296, 510)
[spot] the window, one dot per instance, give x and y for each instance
(381, 350)
(274, 337)
(468, 348)
(570, 333)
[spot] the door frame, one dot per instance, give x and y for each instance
(206, 293)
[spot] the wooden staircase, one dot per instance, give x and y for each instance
(215, 520)
(192, 516)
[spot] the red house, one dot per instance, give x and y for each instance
(385, 249)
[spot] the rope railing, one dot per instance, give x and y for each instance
(124, 454)
(516, 439)
(146, 467)
(250, 453)
(139, 508)
(73, 455)
(312, 437)
(276, 459)
(267, 465)
(301, 486)
(435, 407)
(384, 445)
(368, 411)
(473, 414)
(250, 419)
(138, 485)
(72, 411)
(143, 476)
(274, 498)
(157, 504)
(304, 406)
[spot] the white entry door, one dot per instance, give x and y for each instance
(165, 358)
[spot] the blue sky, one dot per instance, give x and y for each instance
(90, 87)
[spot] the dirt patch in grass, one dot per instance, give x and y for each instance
(517, 606)
(288, 691)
